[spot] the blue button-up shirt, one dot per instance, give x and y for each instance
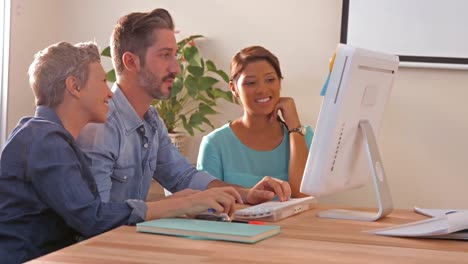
(48, 196)
(126, 152)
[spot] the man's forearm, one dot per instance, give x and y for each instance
(167, 208)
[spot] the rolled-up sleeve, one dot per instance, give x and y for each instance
(138, 213)
(200, 180)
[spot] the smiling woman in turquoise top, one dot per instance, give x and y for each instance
(258, 143)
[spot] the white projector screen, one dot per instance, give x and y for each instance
(424, 33)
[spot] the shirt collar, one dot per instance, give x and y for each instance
(47, 113)
(131, 120)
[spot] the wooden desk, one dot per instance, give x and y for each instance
(304, 239)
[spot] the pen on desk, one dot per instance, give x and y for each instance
(248, 222)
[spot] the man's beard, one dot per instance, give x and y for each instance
(153, 85)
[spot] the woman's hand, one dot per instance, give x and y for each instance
(266, 189)
(288, 110)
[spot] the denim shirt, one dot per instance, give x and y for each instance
(126, 152)
(48, 196)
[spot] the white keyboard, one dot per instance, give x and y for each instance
(276, 209)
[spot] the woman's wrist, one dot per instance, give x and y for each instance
(244, 193)
(294, 125)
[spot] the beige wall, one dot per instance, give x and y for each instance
(34, 25)
(421, 141)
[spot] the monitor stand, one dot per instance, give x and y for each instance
(384, 199)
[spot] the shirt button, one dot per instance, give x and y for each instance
(142, 129)
(124, 177)
(145, 145)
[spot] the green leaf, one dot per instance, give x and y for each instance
(192, 86)
(195, 36)
(186, 125)
(106, 52)
(170, 118)
(111, 76)
(192, 56)
(206, 109)
(189, 53)
(182, 117)
(171, 104)
(209, 92)
(206, 121)
(176, 87)
(186, 40)
(223, 75)
(196, 119)
(200, 129)
(182, 67)
(210, 66)
(174, 105)
(167, 116)
(208, 101)
(195, 70)
(218, 93)
(206, 82)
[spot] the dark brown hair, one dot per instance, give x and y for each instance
(134, 33)
(253, 54)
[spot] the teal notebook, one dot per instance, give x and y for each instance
(237, 232)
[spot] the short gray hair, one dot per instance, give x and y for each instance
(52, 66)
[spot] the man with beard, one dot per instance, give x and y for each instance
(133, 146)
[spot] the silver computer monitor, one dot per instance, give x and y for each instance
(344, 152)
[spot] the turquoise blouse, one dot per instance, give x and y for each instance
(224, 156)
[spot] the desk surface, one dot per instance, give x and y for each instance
(304, 239)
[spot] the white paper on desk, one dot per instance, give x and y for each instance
(444, 225)
(434, 212)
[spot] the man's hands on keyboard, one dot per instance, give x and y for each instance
(270, 208)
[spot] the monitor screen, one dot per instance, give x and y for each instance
(357, 91)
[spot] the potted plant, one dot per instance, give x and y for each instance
(194, 94)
